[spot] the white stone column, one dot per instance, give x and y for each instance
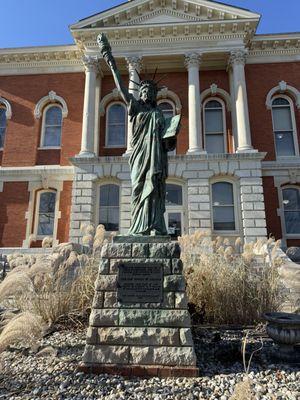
(97, 112)
(192, 63)
(91, 65)
(134, 65)
(237, 62)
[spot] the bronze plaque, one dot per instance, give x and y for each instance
(140, 283)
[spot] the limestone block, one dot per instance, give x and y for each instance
(174, 283)
(140, 250)
(114, 265)
(181, 300)
(179, 356)
(98, 300)
(165, 262)
(173, 250)
(116, 250)
(103, 317)
(157, 250)
(134, 336)
(186, 338)
(110, 300)
(106, 282)
(106, 354)
(142, 317)
(104, 266)
(177, 266)
(256, 231)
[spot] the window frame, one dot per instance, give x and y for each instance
(178, 208)
(36, 213)
(3, 107)
(221, 101)
(46, 108)
(108, 146)
(294, 126)
(97, 213)
(237, 219)
(283, 223)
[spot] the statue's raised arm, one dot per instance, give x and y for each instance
(106, 52)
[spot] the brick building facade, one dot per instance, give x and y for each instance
(65, 134)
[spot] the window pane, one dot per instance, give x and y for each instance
(2, 118)
(109, 207)
(213, 121)
(282, 119)
(47, 202)
(116, 114)
(174, 224)
(173, 195)
(116, 135)
(284, 142)
(2, 134)
(292, 221)
(222, 194)
(280, 101)
(109, 195)
(291, 199)
(52, 136)
(213, 104)
(223, 218)
(54, 116)
(166, 109)
(46, 213)
(214, 143)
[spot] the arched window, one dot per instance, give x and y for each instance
(45, 213)
(214, 126)
(2, 125)
(284, 127)
(174, 210)
(109, 207)
(52, 126)
(223, 207)
(167, 108)
(291, 206)
(116, 125)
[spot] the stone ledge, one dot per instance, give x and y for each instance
(139, 371)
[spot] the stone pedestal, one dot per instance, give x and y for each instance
(129, 333)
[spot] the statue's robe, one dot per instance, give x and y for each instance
(149, 169)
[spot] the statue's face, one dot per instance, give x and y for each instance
(148, 93)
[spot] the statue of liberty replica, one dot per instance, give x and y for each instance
(139, 324)
(153, 136)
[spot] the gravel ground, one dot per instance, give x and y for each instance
(51, 373)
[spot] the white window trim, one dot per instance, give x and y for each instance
(283, 224)
(224, 122)
(36, 216)
(97, 211)
(236, 206)
(107, 146)
(2, 106)
(42, 146)
(176, 208)
(294, 127)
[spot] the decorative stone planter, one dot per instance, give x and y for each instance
(284, 329)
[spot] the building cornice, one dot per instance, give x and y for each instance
(12, 174)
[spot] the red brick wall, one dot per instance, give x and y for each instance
(271, 205)
(13, 206)
(65, 209)
(23, 130)
(261, 78)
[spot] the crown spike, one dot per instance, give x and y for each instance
(163, 77)
(154, 75)
(136, 83)
(138, 74)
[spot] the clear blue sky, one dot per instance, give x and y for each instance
(45, 22)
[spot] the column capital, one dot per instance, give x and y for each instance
(134, 63)
(91, 63)
(237, 57)
(192, 60)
